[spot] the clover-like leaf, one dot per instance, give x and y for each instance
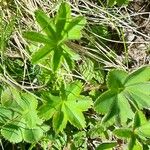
(124, 90)
(70, 109)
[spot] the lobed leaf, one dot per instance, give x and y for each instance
(69, 109)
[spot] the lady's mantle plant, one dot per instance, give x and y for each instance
(58, 31)
(126, 92)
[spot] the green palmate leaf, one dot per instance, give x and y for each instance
(123, 132)
(139, 76)
(106, 145)
(69, 109)
(58, 29)
(36, 37)
(57, 58)
(24, 104)
(63, 17)
(123, 90)
(41, 53)
(33, 135)
(115, 79)
(73, 29)
(46, 24)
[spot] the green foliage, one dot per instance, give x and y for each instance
(124, 92)
(138, 134)
(50, 105)
(19, 120)
(58, 30)
(68, 106)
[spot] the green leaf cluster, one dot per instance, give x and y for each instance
(18, 117)
(68, 106)
(126, 93)
(56, 32)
